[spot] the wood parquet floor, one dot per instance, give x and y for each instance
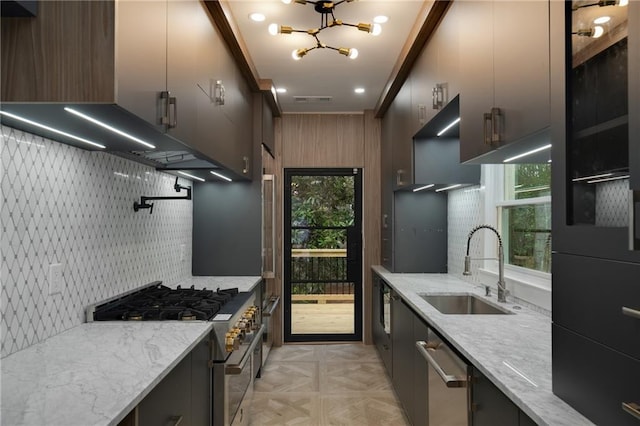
(322, 385)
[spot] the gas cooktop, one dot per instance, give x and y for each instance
(158, 302)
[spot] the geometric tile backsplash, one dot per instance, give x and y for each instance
(612, 204)
(465, 210)
(65, 205)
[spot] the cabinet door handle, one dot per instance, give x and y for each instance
(273, 304)
(385, 225)
(173, 122)
(485, 128)
(399, 174)
(177, 420)
(634, 220)
(632, 408)
(219, 92)
(495, 125)
(165, 96)
(633, 313)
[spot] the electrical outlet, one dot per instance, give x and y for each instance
(55, 278)
(183, 252)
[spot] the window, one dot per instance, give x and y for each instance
(524, 215)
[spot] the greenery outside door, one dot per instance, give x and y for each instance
(323, 255)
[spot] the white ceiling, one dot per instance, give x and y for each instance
(324, 72)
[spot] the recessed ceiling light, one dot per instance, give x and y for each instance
(281, 90)
(255, 16)
(359, 90)
(602, 20)
(381, 19)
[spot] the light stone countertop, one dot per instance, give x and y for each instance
(212, 283)
(92, 374)
(513, 351)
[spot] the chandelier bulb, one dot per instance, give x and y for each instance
(274, 29)
(297, 54)
(286, 1)
(353, 53)
(376, 29)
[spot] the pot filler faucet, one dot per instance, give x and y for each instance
(502, 288)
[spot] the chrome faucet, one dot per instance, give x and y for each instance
(502, 288)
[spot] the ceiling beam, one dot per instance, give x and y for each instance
(426, 24)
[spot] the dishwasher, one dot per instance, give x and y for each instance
(449, 383)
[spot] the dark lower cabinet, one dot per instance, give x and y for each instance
(420, 414)
(380, 314)
(589, 296)
(593, 378)
(182, 395)
(491, 407)
(403, 346)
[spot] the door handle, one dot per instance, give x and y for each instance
(633, 313)
(172, 122)
(496, 114)
(450, 380)
(634, 220)
(632, 408)
(273, 304)
(165, 96)
(486, 134)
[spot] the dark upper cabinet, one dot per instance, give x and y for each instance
(397, 121)
(436, 158)
(263, 117)
(504, 96)
(150, 69)
(596, 157)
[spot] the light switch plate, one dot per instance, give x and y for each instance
(55, 278)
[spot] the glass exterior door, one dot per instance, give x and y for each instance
(323, 255)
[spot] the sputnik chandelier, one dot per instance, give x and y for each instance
(327, 20)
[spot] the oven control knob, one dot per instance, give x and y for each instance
(229, 341)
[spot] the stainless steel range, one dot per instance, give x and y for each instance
(236, 349)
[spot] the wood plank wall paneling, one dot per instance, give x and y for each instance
(332, 140)
(372, 209)
(42, 63)
(323, 140)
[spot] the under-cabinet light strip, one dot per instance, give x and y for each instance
(221, 176)
(592, 177)
(423, 187)
(191, 176)
(524, 154)
(51, 129)
(608, 179)
(108, 127)
(446, 188)
(453, 123)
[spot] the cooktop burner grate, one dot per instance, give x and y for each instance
(160, 302)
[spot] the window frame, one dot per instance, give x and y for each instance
(494, 181)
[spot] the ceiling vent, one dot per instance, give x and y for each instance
(312, 99)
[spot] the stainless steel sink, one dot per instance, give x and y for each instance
(462, 304)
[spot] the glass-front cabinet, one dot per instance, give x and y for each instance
(601, 159)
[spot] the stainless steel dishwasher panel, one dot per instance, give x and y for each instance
(448, 383)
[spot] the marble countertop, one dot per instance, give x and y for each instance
(92, 374)
(212, 283)
(513, 351)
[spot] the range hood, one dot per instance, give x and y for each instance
(168, 155)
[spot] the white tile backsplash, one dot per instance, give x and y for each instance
(465, 210)
(65, 205)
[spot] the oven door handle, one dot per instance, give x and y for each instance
(271, 307)
(235, 369)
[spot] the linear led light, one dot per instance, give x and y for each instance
(191, 176)
(608, 179)
(221, 176)
(423, 187)
(524, 154)
(446, 188)
(453, 123)
(108, 127)
(51, 129)
(603, 175)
